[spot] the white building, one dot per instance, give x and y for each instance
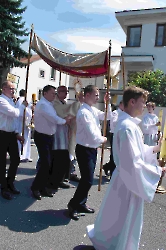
(40, 74)
(145, 31)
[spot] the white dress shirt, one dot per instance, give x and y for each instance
(9, 114)
(46, 118)
(88, 132)
(114, 120)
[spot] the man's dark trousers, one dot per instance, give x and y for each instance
(60, 166)
(8, 144)
(86, 158)
(44, 145)
(110, 165)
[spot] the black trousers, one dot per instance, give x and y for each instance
(44, 145)
(60, 166)
(110, 165)
(8, 144)
(86, 158)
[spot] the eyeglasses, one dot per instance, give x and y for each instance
(10, 88)
(64, 91)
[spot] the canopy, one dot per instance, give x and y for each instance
(82, 65)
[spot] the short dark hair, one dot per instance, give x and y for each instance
(89, 89)
(60, 88)
(22, 92)
(133, 92)
(152, 104)
(5, 84)
(47, 88)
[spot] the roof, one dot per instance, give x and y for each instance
(163, 8)
(33, 58)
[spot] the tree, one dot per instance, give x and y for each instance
(12, 33)
(152, 81)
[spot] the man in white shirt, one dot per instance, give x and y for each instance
(8, 137)
(118, 224)
(88, 139)
(45, 120)
(110, 166)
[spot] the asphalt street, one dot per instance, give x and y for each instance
(45, 225)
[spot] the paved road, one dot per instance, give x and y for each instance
(44, 225)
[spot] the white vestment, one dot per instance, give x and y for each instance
(27, 131)
(119, 222)
(149, 129)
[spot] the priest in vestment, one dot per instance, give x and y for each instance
(64, 138)
(119, 222)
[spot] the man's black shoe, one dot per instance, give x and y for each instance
(13, 189)
(73, 213)
(36, 194)
(63, 185)
(85, 209)
(74, 177)
(45, 192)
(106, 169)
(6, 194)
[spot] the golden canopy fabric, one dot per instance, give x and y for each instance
(82, 65)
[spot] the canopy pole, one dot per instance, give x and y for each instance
(123, 71)
(26, 84)
(105, 118)
(60, 77)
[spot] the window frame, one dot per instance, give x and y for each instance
(53, 78)
(40, 74)
(128, 35)
(164, 35)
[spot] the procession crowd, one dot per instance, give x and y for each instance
(68, 133)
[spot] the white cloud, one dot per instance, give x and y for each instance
(108, 6)
(91, 40)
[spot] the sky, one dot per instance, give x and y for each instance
(77, 26)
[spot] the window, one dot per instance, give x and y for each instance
(160, 35)
(134, 36)
(39, 94)
(52, 75)
(41, 73)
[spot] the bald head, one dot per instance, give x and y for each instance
(62, 92)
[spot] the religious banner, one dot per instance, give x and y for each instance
(82, 64)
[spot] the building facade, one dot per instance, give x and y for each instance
(145, 31)
(40, 74)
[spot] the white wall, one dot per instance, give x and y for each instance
(35, 82)
(97, 81)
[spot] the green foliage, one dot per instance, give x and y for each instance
(154, 82)
(12, 33)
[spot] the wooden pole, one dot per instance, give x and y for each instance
(105, 118)
(123, 72)
(60, 76)
(26, 83)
